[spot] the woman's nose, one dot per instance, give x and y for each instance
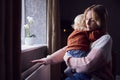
(88, 22)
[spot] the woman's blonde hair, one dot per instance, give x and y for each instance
(99, 14)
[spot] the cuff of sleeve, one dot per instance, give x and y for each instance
(66, 59)
(48, 60)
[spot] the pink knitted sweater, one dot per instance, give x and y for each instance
(99, 59)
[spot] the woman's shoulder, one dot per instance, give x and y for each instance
(102, 41)
(105, 37)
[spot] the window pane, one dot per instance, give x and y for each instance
(37, 10)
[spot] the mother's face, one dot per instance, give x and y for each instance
(90, 22)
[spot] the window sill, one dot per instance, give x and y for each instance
(30, 53)
(31, 47)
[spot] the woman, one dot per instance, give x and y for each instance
(98, 62)
(78, 43)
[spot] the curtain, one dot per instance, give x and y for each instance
(53, 25)
(10, 46)
(53, 34)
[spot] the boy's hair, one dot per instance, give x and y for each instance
(78, 22)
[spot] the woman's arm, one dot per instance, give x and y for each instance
(99, 55)
(56, 57)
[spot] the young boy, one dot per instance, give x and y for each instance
(78, 43)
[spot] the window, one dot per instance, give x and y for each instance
(37, 10)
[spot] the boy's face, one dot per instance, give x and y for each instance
(91, 23)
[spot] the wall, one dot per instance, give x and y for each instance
(71, 8)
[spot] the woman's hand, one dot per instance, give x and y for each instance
(41, 61)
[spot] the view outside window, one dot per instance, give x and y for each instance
(35, 10)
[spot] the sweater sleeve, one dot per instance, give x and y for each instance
(99, 55)
(57, 56)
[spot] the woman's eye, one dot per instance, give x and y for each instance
(92, 20)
